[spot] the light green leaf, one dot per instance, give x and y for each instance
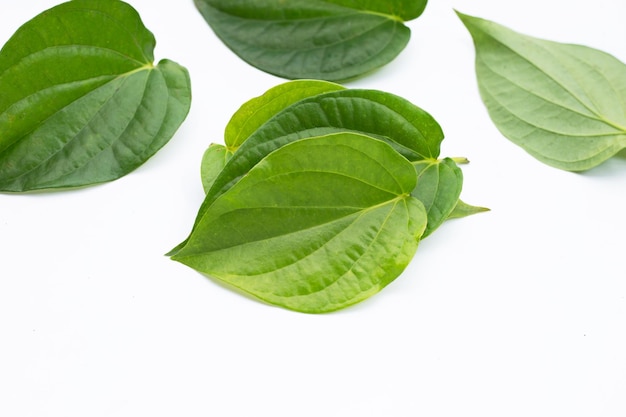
(327, 40)
(251, 115)
(317, 225)
(462, 209)
(438, 187)
(82, 102)
(254, 113)
(213, 162)
(564, 104)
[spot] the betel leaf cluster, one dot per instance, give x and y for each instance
(322, 195)
(81, 101)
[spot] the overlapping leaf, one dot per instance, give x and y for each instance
(321, 195)
(328, 40)
(564, 104)
(438, 187)
(251, 116)
(411, 131)
(317, 225)
(81, 101)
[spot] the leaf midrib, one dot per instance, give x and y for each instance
(597, 115)
(357, 215)
(347, 271)
(323, 46)
(147, 67)
(371, 12)
(48, 49)
(336, 7)
(361, 211)
(547, 100)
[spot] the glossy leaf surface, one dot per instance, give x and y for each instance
(406, 127)
(564, 104)
(213, 162)
(438, 187)
(254, 113)
(251, 115)
(414, 133)
(327, 40)
(317, 225)
(81, 101)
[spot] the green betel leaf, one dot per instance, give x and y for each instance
(402, 9)
(251, 115)
(410, 130)
(254, 113)
(82, 102)
(317, 225)
(462, 209)
(407, 128)
(328, 40)
(438, 187)
(213, 162)
(564, 104)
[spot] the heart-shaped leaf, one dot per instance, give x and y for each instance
(328, 40)
(82, 102)
(564, 104)
(317, 225)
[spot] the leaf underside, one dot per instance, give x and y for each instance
(317, 225)
(564, 104)
(82, 102)
(327, 40)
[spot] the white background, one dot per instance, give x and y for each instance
(517, 312)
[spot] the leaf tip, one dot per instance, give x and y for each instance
(465, 18)
(460, 14)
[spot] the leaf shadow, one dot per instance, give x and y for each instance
(613, 167)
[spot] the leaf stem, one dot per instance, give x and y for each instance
(461, 160)
(388, 16)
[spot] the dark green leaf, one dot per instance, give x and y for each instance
(81, 101)
(317, 225)
(407, 128)
(328, 40)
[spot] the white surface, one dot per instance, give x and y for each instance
(517, 312)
